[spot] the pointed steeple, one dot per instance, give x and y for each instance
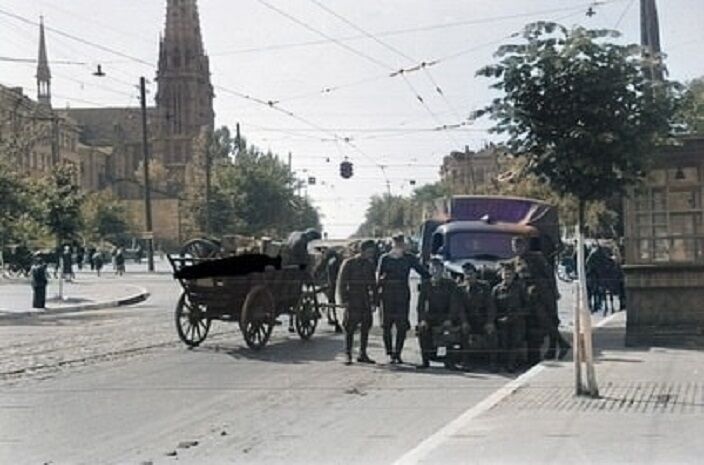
(43, 72)
(185, 94)
(650, 38)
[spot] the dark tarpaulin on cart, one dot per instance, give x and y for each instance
(238, 265)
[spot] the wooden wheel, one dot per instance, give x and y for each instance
(307, 313)
(257, 318)
(201, 248)
(191, 323)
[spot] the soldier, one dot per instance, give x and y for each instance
(539, 273)
(296, 253)
(438, 304)
(479, 312)
(394, 271)
(511, 305)
(297, 247)
(356, 287)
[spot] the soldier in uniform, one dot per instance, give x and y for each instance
(479, 312)
(438, 304)
(539, 277)
(511, 311)
(356, 287)
(297, 247)
(393, 273)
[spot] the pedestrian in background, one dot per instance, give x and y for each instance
(120, 261)
(393, 274)
(98, 261)
(39, 281)
(89, 257)
(67, 257)
(356, 288)
(80, 256)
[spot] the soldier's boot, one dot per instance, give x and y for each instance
(291, 329)
(349, 340)
(364, 339)
(388, 343)
(400, 340)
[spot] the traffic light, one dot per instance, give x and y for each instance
(346, 169)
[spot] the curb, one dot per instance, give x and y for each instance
(421, 451)
(133, 299)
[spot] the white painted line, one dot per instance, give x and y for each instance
(418, 453)
(605, 321)
(421, 451)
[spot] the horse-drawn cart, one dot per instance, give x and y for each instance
(250, 292)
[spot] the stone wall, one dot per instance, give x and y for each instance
(665, 305)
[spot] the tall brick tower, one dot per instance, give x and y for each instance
(184, 97)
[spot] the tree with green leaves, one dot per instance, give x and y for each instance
(693, 107)
(62, 203)
(105, 219)
(578, 109)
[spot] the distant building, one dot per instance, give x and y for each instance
(105, 144)
(467, 172)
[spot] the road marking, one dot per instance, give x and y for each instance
(421, 451)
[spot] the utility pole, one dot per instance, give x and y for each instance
(208, 144)
(147, 190)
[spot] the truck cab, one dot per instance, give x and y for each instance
(479, 229)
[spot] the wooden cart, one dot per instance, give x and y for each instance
(254, 300)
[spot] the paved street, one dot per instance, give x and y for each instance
(122, 378)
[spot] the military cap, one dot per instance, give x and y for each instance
(399, 238)
(469, 267)
(368, 244)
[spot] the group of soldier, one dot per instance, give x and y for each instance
(506, 324)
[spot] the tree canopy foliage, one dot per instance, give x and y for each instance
(578, 109)
(693, 108)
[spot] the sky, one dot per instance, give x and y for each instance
(327, 65)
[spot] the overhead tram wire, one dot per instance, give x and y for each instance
(76, 38)
(407, 30)
(113, 51)
(623, 15)
(388, 47)
(351, 50)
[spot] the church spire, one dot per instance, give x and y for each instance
(43, 73)
(650, 39)
(184, 96)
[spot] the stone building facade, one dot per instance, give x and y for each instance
(467, 172)
(105, 144)
(664, 250)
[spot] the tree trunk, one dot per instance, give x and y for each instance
(585, 320)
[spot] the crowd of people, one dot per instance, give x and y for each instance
(505, 324)
(65, 260)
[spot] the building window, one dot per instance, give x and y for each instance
(669, 217)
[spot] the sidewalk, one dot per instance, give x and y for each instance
(85, 293)
(651, 411)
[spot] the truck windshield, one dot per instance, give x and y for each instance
(481, 246)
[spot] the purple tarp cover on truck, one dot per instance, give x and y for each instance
(517, 210)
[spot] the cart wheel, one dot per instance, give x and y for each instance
(201, 248)
(191, 323)
(307, 314)
(257, 318)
